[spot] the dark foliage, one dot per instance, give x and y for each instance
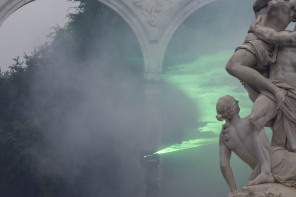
(39, 96)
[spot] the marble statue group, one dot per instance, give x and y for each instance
(266, 65)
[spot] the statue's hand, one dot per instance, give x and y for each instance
(255, 24)
(254, 27)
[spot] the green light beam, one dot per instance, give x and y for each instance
(188, 145)
(204, 81)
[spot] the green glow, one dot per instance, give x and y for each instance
(187, 145)
(205, 81)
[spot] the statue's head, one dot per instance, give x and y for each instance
(284, 6)
(293, 10)
(260, 4)
(226, 108)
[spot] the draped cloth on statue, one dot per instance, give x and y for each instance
(284, 126)
(265, 53)
(283, 166)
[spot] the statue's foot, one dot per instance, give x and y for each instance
(280, 97)
(260, 179)
(255, 173)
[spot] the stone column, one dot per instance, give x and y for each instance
(153, 175)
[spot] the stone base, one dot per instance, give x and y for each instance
(266, 190)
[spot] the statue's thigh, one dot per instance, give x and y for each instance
(263, 111)
(243, 57)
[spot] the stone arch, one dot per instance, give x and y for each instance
(153, 21)
(7, 7)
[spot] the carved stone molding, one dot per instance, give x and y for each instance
(7, 7)
(153, 10)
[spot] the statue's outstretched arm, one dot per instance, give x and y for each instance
(283, 38)
(225, 167)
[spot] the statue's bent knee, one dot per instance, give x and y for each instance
(230, 68)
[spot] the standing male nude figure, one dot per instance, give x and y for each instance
(283, 74)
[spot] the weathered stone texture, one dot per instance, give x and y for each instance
(266, 190)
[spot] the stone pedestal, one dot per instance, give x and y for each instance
(266, 190)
